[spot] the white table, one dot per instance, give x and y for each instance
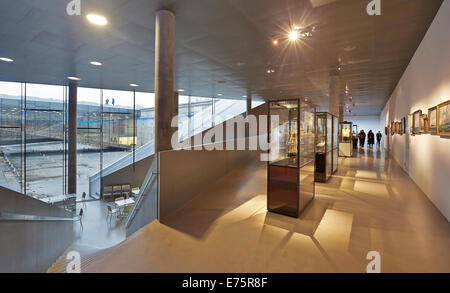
(124, 202)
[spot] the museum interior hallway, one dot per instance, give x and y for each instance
(370, 204)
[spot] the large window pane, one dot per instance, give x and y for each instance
(10, 135)
(44, 137)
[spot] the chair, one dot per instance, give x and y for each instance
(111, 212)
(107, 192)
(83, 197)
(126, 190)
(117, 191)
(80, 218)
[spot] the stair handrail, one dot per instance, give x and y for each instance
(144, 189)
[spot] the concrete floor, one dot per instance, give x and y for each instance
(97, 231)
(370, 204)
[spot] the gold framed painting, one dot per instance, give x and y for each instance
(404, 127)
(410, 123)
(432, 120)
(425, 123)
(443, 119)
(417, 122)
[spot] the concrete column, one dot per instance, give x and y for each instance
(72, 140)
(335, 96)
(164, 72)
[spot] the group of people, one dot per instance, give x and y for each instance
(370, 138)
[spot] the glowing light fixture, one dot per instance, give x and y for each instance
(293, 35)
(73, 78)
(275, 42)
(133, 85)
(220, 95)
(96, 63)
(181, 90)
(97, 19)
(244, 96)
(4, 59)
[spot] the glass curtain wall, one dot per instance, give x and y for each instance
(197, 114)
(44, 148)
(89, 146)
(11, 172)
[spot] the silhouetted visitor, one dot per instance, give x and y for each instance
(379, 136)
(362, 138)
(371, 139)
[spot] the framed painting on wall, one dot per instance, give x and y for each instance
(410, 123)
(425, 123)
(432, 120)
(404, 127)
(399, 127)
(443, 119)
(417, 120)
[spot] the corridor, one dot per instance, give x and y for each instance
(370, 204)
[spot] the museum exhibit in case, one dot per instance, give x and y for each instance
(290, 171)
(325, 134)
(335, 143)
(345, 139)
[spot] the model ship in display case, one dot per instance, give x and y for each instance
(292, 148)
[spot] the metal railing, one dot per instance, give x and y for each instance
(146, 185)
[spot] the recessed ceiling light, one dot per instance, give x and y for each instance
(181, 90)
(244, 96)
(293, 35)
(133, 85)
(73, 78)
(96, 63)
(275, 42)
(97, 19)
(220, 95)
(6, 59)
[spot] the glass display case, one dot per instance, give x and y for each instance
(290, 171)
(345, 139)
(326, 146)
(335, 143)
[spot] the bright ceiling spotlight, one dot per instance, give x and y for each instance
(96, 63)
(181, 90)
(97, 19)
(133, 85)
(293, 35)
(73, 78)
(4, 59)
(275, 42)
(220, 95)
(244, 96)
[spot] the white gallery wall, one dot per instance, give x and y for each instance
(425, 84)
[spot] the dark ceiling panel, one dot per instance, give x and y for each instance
(220, 45)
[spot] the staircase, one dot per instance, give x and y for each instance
(88, 255)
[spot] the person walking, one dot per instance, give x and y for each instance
(362, 138)
(379, 136)
(371, 139)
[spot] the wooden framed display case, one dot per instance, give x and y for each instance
(290, 170)
(326, 130)
(345, 139)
